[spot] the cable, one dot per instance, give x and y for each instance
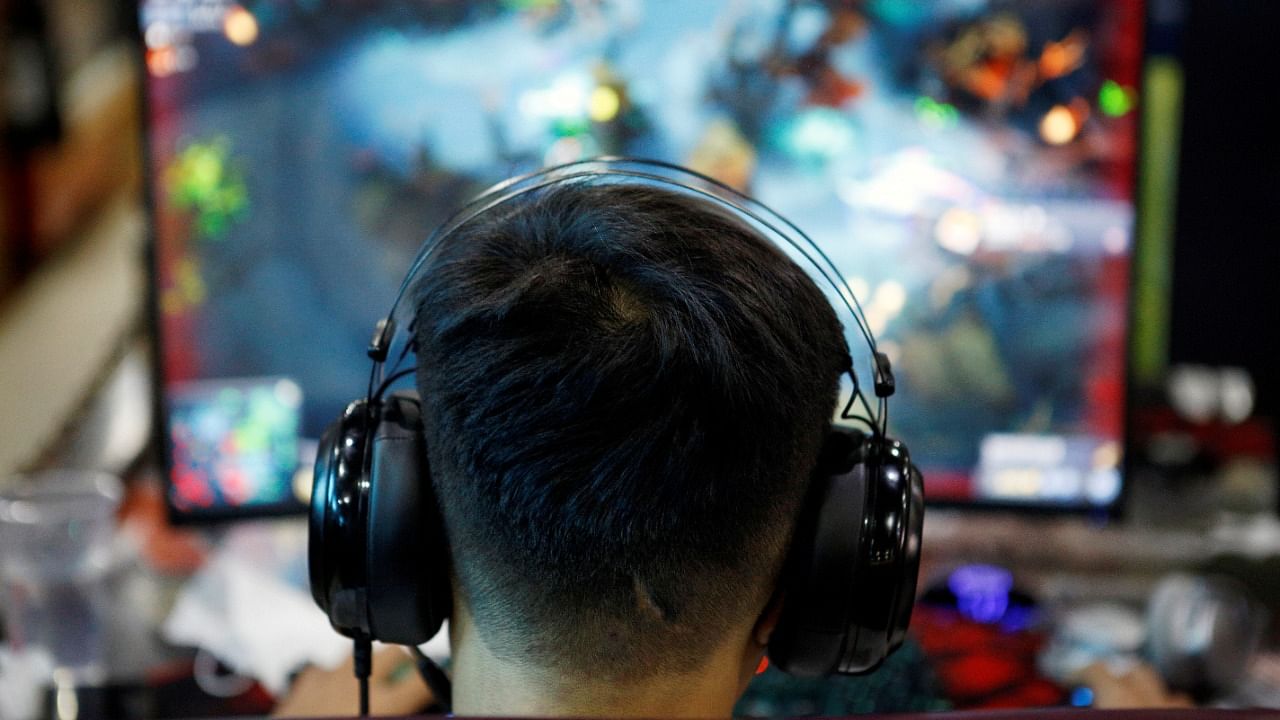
(386, 384)
(871, 426)
(434, 677)
(873, 419)
(884, 417)
(363, 661)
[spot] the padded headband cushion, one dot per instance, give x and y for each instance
(812, 634)
(407, 558)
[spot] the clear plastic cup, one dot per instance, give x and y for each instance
(55, 551)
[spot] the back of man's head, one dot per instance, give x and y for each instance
(625, 392)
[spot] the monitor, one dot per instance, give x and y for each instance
(968, 164)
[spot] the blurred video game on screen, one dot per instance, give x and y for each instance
(968, 165)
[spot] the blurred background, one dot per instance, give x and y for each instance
(1056, 214)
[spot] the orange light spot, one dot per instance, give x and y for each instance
(1065, 57)
(163, 61)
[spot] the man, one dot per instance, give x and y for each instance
(625, 391)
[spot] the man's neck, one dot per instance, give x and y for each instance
(484, 685)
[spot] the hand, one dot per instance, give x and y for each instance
(394, 689)
(1137, 686)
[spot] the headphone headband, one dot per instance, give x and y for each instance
(667, 176)
(378, 548)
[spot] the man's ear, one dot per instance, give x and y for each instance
(768, 620)
(753, 660)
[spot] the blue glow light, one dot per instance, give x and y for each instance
(982, 591)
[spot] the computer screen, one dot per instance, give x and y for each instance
(968, 165)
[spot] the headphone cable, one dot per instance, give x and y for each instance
(386, 384)
(434, 677)
(363, 662)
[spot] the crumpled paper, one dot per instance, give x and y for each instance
(255, 623)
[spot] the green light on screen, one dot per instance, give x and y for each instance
(1114, 99)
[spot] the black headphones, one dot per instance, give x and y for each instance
(379, 558)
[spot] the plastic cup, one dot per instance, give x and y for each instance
(55, 550)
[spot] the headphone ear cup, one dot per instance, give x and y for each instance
(336, 538)
(407, 554)
(850, 587)
(890, 562)
(911, 544)
(818, 580)
(318, 553)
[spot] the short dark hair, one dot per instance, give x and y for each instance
(625, 391)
